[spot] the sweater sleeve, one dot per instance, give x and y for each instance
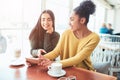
(33, 51)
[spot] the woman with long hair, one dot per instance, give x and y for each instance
(43, 36)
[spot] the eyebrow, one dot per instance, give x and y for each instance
(46, 18)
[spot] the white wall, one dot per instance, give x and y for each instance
(113, 17)
(110, 16)
(10, 11)
(117, 20)
(99, 17)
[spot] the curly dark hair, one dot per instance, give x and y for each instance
(85, 8)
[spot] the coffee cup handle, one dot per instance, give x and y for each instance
(49, 67)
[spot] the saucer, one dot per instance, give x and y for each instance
(63, 72)
(17, 62)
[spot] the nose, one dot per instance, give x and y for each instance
(69, 23)
(45, 22)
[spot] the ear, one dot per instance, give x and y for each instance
(82, 20)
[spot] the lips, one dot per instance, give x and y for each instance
(45, 27)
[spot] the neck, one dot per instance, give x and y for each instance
(82, 33)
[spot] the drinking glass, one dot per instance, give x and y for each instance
(63, 78)
(71, 77)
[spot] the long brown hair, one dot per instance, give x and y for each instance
(38, 32)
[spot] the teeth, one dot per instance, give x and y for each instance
(45, 25)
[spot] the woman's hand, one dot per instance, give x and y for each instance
(50, 30)
(44, 61)
(41, 52)
(28, 63)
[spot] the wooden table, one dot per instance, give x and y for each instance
(24, 72)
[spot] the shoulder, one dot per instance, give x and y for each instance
(55, 34)
(95, 36)
(68, 31)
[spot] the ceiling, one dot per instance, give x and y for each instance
(114, 3)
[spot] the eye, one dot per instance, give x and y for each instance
(71, 19)
(43, 19)
(49, 19)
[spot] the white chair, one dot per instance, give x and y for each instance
(108, 51)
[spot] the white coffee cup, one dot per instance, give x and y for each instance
(55, 68)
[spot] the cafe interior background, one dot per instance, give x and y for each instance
(18, 17)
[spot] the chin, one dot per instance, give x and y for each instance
(45, 28)
(72, 29)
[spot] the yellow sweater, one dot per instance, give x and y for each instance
(73, 51)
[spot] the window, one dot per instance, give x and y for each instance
(61, 12)
(17, 19)
(20, 16)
